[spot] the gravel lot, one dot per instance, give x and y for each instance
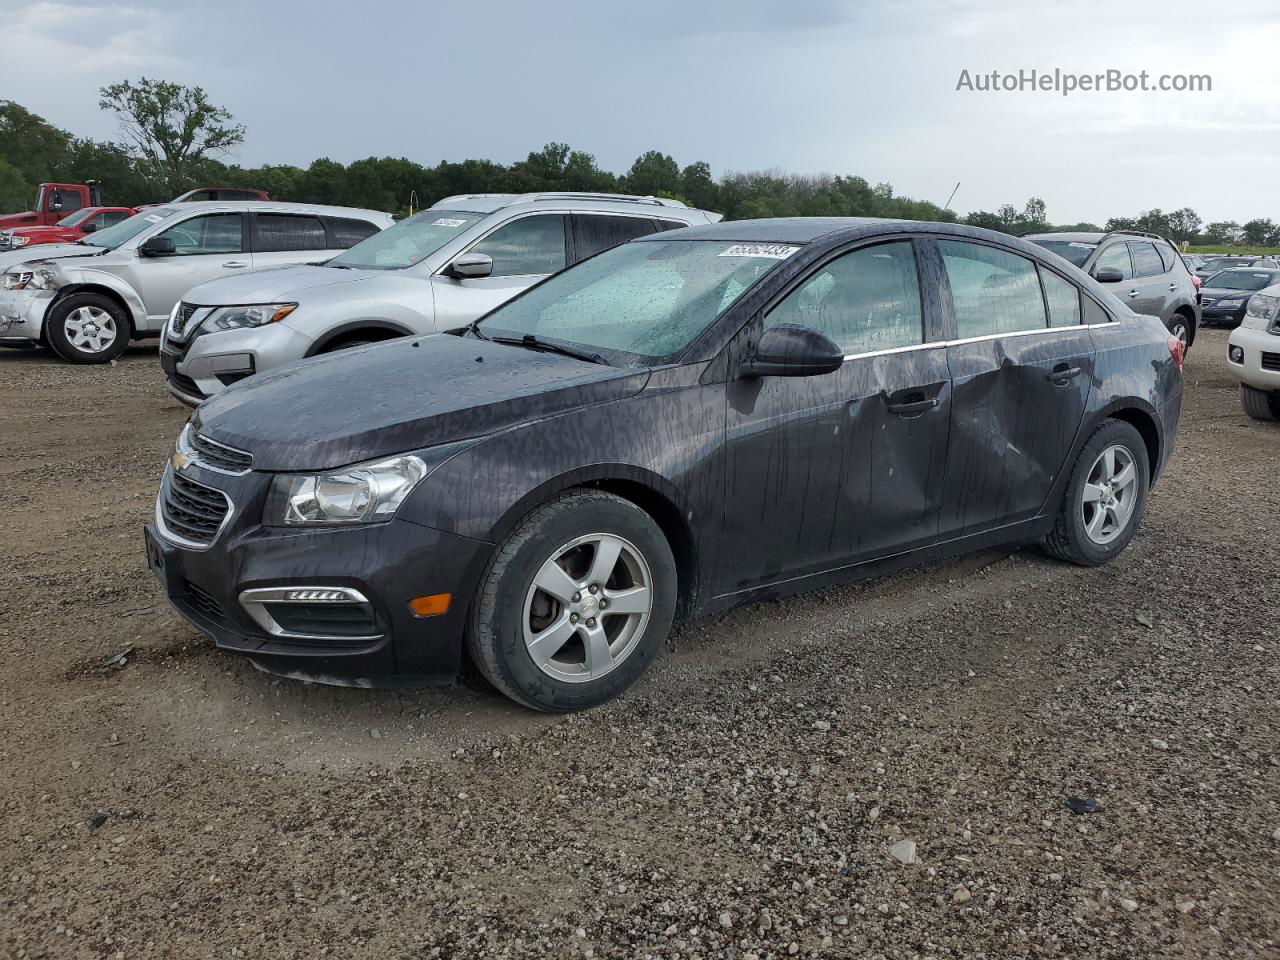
(742, 801)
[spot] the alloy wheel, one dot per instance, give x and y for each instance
(1110, 494)
(587, 607)
(90, 329)
(1180, 330)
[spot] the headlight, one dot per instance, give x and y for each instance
(1230, 303)
(35, 279)
(254, 315)
(19, 241)
(1262, 305)
(364, 493)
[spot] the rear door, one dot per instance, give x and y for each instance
(206, 246)
(831, 470)
(595, 232)
(1150, 280)
(283, 238)
(524, 251)
(1021, 365)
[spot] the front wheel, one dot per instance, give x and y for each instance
(575, 604)
(1105, 497)
(87, 328)
(1259, 404)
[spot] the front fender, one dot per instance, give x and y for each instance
(80, 279)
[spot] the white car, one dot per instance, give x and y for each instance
(88, 299)
(1253, 350)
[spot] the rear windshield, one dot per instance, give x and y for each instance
(408, 242)
(1074, 251)
(1241, 280)
(126, 230)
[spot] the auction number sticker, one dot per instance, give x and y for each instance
(448, 222)
(768, 251)
(154, 218)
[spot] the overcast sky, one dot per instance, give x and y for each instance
(803, 85)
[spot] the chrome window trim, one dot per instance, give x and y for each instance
(986, 336)
(254, 602)
(180, 540)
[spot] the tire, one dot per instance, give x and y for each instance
(1259, 404)
(87, 328)
(511, 612)
(1182, 328)
(1074, 538)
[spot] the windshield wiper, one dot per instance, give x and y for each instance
(473, 328)
(534, 343)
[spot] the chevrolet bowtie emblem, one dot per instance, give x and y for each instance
(179, 460)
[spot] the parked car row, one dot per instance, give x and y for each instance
(704, 415)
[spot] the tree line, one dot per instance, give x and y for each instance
(173, 139)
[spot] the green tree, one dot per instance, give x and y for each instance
(1223, 233)
(35, 147)
(171, 128)
(1034, 214)
(1184, 224)
(16, 192)
(653, 173)
(1257, 231)
(697, 184)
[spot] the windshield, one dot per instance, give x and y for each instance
(1075, 251)
(1240, 280)
(126, 230)
(639, 303)
(1221, 263)
(76, 217)
(405, 243)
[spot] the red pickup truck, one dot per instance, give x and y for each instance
(54, 201)
(67, 230)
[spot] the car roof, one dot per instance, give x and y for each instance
(1078, 236)
(786, 229)
(273, 206)
(1248, 269)
(621, 202)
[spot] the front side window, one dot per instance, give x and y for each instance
(530, 246)
(408, 242)
(865, 301)
(1116, 256)
(596, 232)
(212, 233)
(1146, 262)
(994, 292)
(76, 218)
(284, 231)
(638, 303)
(130, 227)
(111, 219)
(1063, 299)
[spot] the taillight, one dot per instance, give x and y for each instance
(1177, 351)
(1197, 281)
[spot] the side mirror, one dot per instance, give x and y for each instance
(470, 266)
(1108, 275)
(89, 227)
(790, 350)
(157, 247)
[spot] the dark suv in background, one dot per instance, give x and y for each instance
(1148, 273)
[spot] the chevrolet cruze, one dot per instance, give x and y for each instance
(686, 422)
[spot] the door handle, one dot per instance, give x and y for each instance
(236, 263)
(1173, 286)
(1132, 294)
(1063, 375)
(912, 408)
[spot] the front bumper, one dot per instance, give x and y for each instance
(22, 314)
(1227, 316)
(387, 564)
(209, 362)
(1261, 367)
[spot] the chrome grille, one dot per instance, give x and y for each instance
(219, 455)
(182, 317)
(193, 511)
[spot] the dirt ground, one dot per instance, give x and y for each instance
(740, 802)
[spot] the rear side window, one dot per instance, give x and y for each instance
(1146, 262)
(110, 219)
(1093, 313)
(347, 233)
(530, 246)
(283, 231)
(595, 232)
(865, 301)
(993, 291)
(1167, 254)
(671, 225)
(1116, 256)
(1063, 299)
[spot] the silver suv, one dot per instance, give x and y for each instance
(437, 270)
(1149, 275)
(88, 299)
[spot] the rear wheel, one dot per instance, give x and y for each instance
(1180, 327)
(87, 328)
(1105, 497)
(575, 604)
(1259, 404)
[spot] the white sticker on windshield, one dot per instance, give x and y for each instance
(154, 218)
(448, 222)
(1083, 246)
(769, 251)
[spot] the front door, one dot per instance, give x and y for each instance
(1021, 369)
(524, 251)
(830, 470)
(205, 247)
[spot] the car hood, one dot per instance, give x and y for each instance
(407, 394)
(43, 231)
(274, 285)
(46, 251)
